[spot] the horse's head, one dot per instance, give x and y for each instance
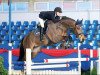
(76, 26)
(79, 30)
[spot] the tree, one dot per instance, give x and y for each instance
(3, 71)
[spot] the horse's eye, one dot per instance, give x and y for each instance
(78, 27)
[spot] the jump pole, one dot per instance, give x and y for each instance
(79, 56)
(64, 60)
(10, 44)
(28, 61)
(50, 66)
(91, 56)
(10, 62)
(98, 63)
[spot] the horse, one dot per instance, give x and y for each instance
(55, 33)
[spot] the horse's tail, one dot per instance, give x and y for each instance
(21, 54)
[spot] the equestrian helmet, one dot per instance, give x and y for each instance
(58, 9)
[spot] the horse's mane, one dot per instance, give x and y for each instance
(62, 19)
(78, 22)
(65, 18)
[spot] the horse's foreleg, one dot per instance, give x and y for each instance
(63, 45)
(35, 51)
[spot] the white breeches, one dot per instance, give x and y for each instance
(41, 22)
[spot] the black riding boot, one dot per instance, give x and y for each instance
(45, 27)
(41, 33)
(44, 30)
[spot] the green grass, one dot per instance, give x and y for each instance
(93, 72)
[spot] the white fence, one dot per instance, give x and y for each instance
(57, 64)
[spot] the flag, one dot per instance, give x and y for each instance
(0, 1)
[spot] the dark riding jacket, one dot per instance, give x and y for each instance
(49, 15)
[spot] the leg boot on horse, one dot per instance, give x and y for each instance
(67, 43)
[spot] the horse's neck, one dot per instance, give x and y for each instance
(70, 24)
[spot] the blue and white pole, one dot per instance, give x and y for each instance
(10, 44)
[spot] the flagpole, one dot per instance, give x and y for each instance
(9, 3)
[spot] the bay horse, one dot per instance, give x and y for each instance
(55, 33)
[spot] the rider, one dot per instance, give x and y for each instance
(44, 16)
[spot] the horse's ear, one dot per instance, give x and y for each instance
(77, 22)
(81, 21)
